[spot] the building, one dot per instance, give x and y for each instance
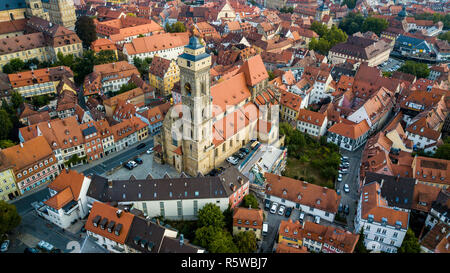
(61, 12)
(172, 198)
(290, 233)
(436, 240)
(108, 77)
(312, 123)
(310, 198)
(291, 104)
(360, 49)
(349, 135)
(213, 122)
(134, 96)
(163, 74)
(39, 82)
(67, 200)
(8, 189)
(166, 45)
(104, 45)
(128, 131)
(411, 46)
(439, 212)
(248, 219)
(384, 225)
(34, 163)
(431, 171)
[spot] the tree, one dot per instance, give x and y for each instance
(410, 243)
(13, 66)
(16, 99)
(228, 218)
(40, 100)
(9, 218)
(66, 60)
(271, 75)
(376, 25)
(6, 123)
(105, 56)
(85, 29)
(126, 87)
(205, 235)
(360, 247)
(6, 143)
(445, 36)
(443, 152)
(420, 70)
(350, 3)
(352, 23)
(328, 37)
(245, 242)
(250, 201)
(143, 65)
(210, 215)
(175, 27)
(223, 243)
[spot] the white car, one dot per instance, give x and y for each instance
(5, 246)
(281, 210)
(133, 164)
(149, 151)
(232, 160)
(274, 207)
(346, 188)
(317, 219)
(339, 179)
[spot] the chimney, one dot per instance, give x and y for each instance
(21, 144)
(240, 180)
(110, 184)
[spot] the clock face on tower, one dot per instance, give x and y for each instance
(187, 87)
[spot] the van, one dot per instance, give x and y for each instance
(265, 229)
(254, 144)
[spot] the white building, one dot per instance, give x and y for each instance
(384, 226)
(309, 198)
(68, 200)
(348, 135)
(312, 123)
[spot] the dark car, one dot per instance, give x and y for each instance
(31, 250)
(244, 150)
(128, 166)
(340, 208)
(288, 212)
(138, 161)
(346, 209)
(83, 229)
(267, 205)
(140, 146)
(239, 155)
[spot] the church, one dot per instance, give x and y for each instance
(213, 122)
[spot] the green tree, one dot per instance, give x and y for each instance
(6, 123)
(143, 66)
(16, 99)
(6, 143)
(40, 100)
(360, 247)
(9, 217)
(105, 56)
(175, 27)
(420, 70)
(445, 36)
(250, 201)
(352, 23)
(443, 152)
(126, 87)
(376, 25)
(328, 37)
(205, 235)
(245, 242)
(350, 3)
(223, 243)
(228, 218)
(410, 243)
(210, 215)
(85, 29)
(13, 66)
(66, 60)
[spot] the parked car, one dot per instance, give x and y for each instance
(239, 155)
(301, 217)
(338, 191)
(274, 208)
(346, 209)
(31, 250)
(128, 166)
(288, 212)
(5, 246)
(346, 188)
(265, 229)
(341, 208)
(244, 150)
(281, 210)
(317, 219)
(267, 204)
(45, 246)
(232, 160)
(139, 161)
(339, 179)
(83, 229)
(140, 146)
(132, 163)
(149, 151)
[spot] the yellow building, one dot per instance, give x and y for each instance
(163, 74)
(61, 12)
(290, 233)
(8, 189)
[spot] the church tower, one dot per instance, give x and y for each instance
(35, 8)
(198, 149)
